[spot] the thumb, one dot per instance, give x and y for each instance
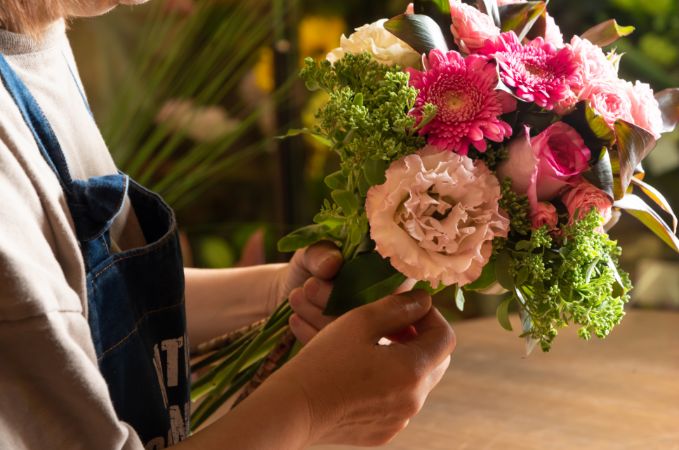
(435, 338)
(392, 314)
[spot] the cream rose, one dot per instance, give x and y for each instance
(436, 216)
(376, 40)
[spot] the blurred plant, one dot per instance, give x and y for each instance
(318, 35)
(177, 122)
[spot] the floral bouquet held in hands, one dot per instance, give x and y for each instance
(481, 151)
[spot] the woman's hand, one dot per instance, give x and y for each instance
(362, 393)
(343, 387)
(307, 284)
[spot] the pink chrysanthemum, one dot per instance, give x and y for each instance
(537, 71)
(468, 104)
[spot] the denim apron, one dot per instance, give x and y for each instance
(135, 298)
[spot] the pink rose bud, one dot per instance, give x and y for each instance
(583, 198)
(545, 165)
(471, 28)
(544, 214)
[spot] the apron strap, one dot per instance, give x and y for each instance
(81, 90)
(94, 203)
(37, 122)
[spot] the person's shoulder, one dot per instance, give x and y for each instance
(41, 269)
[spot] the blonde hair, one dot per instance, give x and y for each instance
(30, 16)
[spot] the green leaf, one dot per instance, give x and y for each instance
(527, 327)
(363, 186)
(634, 205)
(601, 173)
(361, 280)
(303, 237)
(619, 287)
(439, 11)
(594, 131)
(336, 180)
(502, 313)
(374, 171)
(520, 17)
(485, 280)
(657, 198)
(668, 100)
(633, 144)
(598, 125)
(346, 200)
(421, 32)
(606, 33)
(539, 27)
(459, 297)
(306, 132)
(536, 120)
(425, 6)
(426, 286)
(523, 246)
(357, 235)
(503, 273)
(490, 7)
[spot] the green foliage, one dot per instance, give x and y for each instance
(216, 252)
(363, 279)
(521, 17)
(304, 237)
(439, 11)
(572, 280)
(606, 33)
(517, 208)
(366, 122)
(492, 157)
(419, 31)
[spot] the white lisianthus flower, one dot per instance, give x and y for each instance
(376, 40)
(436, 215)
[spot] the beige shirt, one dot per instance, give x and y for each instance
(52, 395)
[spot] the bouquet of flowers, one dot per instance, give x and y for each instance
(478, 150)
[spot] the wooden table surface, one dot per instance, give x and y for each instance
(621, 393)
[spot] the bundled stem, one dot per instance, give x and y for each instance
(235, 365)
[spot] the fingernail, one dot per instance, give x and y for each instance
(311, 287)
(419, 296)
(332, 258)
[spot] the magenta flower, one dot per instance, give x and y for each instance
(468, 103)
(537, 71)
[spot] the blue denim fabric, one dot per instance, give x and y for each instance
(135, 298)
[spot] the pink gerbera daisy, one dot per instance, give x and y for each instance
(468, 104)
(537, 71)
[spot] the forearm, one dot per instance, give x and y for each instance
(275, 416)
(223, 300)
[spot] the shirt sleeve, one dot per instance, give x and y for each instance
(51, 392)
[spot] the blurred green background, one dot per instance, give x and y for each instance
(190, 95)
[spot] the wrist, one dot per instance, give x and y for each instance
(289, 411)
(297, 409)
(277, 285)
(276, 416)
